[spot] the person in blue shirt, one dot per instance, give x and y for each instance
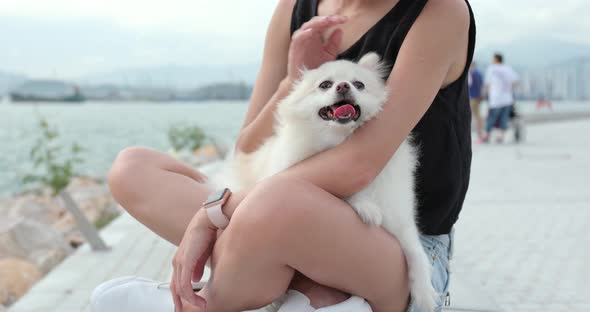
(475, 96)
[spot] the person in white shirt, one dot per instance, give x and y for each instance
(499, 83)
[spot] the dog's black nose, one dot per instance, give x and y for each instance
(343, 88)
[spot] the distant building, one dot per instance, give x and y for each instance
(46, 91)
(110, 92)
(222, 91)
(566, 81)
(101, 92)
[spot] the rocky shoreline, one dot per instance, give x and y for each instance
(37, 232)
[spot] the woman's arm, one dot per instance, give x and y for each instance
(262, 127)
(433, 55)
(268, 90)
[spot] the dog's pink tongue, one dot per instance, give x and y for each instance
(344, 111)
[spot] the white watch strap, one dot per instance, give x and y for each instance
(217, 217)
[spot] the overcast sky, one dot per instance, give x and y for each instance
(71, 38)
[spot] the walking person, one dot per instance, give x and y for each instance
(475, 97)
(499, 83)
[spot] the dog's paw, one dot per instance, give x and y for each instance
(425, 296)
(369, 212)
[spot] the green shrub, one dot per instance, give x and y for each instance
(54, 165)
(186, 137)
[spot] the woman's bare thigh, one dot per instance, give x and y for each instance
(157, 190)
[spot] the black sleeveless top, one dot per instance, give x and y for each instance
(443, 135)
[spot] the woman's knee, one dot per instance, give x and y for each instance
(125, 172)
(272, 210)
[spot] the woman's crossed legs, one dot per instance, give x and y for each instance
(281, 227)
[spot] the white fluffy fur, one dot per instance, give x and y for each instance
(389, 201)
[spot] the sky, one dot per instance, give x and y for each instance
(73, 38)
(501, 21)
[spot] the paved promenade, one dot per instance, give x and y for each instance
(523, 233)
(521, 242)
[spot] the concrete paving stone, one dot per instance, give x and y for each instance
(159, 257)
(77, 301)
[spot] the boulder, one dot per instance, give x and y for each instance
(39, 208)
(27, 239)
(5, 204)
(65, 225)
(48, 259)
(34, 226)
(75, 239)
(207, 153)
(198, 157)
(92, 197)
(16, 278)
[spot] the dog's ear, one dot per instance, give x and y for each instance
(302, 71)
(373, 62)
(370, 60)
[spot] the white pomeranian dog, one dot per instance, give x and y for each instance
(323, 109)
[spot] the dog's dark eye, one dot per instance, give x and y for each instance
(359, 85)
(326, 85)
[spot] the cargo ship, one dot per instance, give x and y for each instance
(47, 91)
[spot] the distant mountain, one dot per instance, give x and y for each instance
(9, 81)
(222, 91)
(175, 76)
(531, 53)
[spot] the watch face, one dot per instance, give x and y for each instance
(216, 196)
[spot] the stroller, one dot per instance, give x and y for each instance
(516, 122)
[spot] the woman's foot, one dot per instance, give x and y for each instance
(483, 139)
(500, 138)
(319, 296)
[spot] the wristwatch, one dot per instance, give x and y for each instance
(213, 206)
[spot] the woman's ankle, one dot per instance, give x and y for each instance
(322, 296)
(319, 296)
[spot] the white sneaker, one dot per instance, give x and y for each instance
(133, 294)
(136, 294)
(298, 302)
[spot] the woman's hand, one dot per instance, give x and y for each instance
(308, 48)
(190, 258)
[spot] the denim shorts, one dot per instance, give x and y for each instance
(439, 250)
(499, 116)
